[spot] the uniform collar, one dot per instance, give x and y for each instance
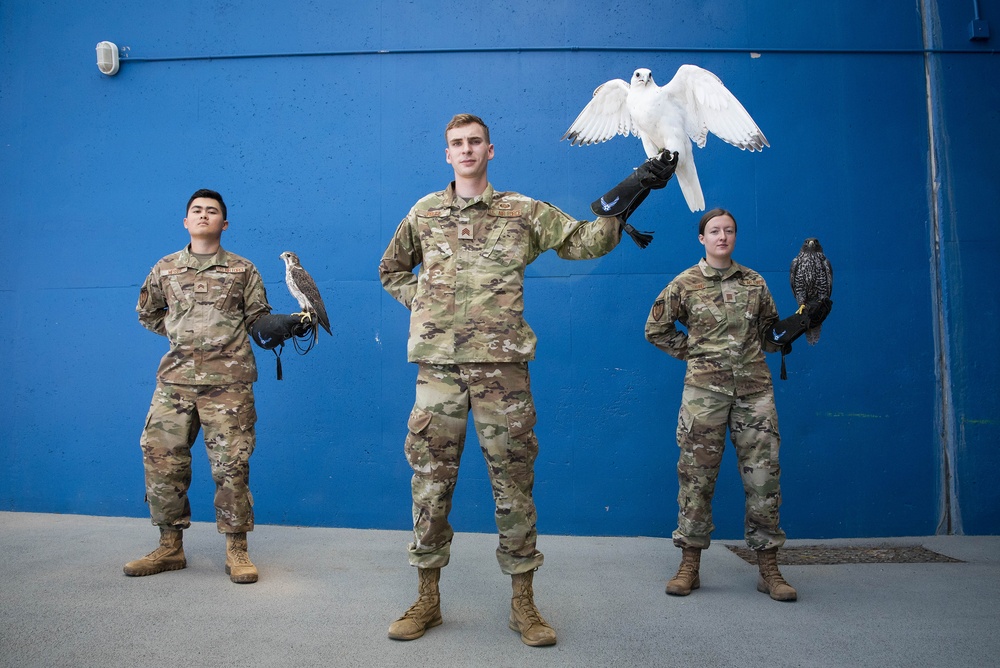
(451, 199)
(711, 272)
(188, 259)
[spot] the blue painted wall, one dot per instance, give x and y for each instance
(323, 139)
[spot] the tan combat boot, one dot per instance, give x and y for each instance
(239, 568)
(524, 616)
(687, 578)
(425, 613)
(770, 581)
(169, 556)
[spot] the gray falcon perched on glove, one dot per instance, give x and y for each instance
(812, 284)
(811, 277)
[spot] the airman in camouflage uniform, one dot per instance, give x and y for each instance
(729, 316)
(205, 300)
(472, 344)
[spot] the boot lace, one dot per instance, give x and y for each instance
(687, 571)
(241, 558)
(776, 580)
(528, 611)
(161, 551)
(772, 575)
(421, 609)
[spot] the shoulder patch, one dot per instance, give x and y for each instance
(658, 308)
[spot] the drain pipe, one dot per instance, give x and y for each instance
(949, 519)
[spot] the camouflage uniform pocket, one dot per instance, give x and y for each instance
(510, 245)
(432, 450)
(174, 292)
(247, 417)
(685, 422)
(521, 422)
(521, 448)
(419, 420)
(753, 303)
(233, 299)
(769, 424)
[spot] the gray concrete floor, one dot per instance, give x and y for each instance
(327, 596)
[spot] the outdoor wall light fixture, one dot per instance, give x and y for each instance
(107, 58)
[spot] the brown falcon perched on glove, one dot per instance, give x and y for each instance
(303, 288)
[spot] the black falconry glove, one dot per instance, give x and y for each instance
(626, 197)
(818, 310)
(785, 331)
(271, 330)
(807, 317)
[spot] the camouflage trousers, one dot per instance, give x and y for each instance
(701, 435)
(499, 396)
(226, 415)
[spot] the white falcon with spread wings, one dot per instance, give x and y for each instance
(691, 105)
(303, 288)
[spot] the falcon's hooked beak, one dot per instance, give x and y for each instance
(642, 76)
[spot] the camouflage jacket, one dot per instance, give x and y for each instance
(467, 303)
(726, 315)
(205, 309)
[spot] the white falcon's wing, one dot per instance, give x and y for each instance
(605, 116)
(710, 107)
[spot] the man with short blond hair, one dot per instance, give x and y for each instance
(472, 343)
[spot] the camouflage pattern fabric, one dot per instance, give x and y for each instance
(469, 335)
(467, 303)
(499, 396)
(726, 315)
(227, 416)
(727, 385)
(701, 432)
(205, 309)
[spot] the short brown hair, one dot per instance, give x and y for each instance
(709, 215)
(461, 120)
(208, 194)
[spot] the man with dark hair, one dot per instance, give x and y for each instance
(207, 302)
(472, 344)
